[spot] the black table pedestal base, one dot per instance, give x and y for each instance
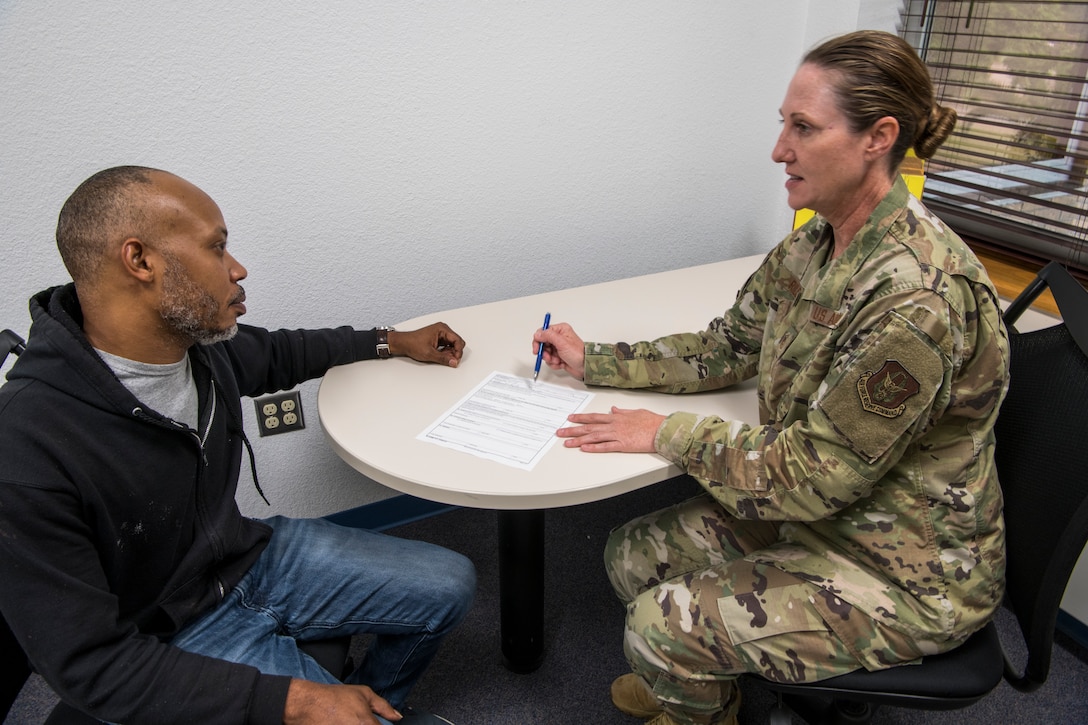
(521, 588)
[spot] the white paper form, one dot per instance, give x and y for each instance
(507, 419)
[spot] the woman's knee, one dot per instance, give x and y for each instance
(648, 639)
(646, 551)
(626, 577)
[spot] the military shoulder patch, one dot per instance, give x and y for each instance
(888, 384)
(886, 391)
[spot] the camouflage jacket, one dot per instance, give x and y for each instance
(880, 374)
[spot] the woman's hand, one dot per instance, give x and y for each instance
(623, 431)
(563, 349)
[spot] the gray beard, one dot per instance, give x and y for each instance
(188, 323)
(210, 337)
(186, 308)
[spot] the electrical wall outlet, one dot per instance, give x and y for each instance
(279, 413)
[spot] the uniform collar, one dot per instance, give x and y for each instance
(835, 276)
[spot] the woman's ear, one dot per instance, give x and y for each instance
(882, 136)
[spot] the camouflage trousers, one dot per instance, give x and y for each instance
(699, 613)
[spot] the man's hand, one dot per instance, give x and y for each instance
(623, 431)
(312, 703)
(435, 343)
(563, 349)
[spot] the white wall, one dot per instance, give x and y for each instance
(384, 159)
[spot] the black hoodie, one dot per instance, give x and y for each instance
(118, 526)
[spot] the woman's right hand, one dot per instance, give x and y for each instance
(563, 349)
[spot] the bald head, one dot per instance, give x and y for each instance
(147, 252)
(101, 212)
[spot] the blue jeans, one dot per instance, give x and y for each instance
(318, 580)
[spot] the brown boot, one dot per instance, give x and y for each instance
(665, 719)
(632, 695)
(662, 719)
(727, 718)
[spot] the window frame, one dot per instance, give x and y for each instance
(978, 202)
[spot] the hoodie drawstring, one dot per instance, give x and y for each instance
(253, 467)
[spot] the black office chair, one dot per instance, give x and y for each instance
(332, 654)
(1042, 461)
(14, 668)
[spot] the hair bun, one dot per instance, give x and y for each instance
(934, 131)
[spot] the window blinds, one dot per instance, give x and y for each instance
(1015, 170)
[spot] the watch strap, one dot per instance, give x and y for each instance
(382, 333)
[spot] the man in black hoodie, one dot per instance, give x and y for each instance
(130, 578)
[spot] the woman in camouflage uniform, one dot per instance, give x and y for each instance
(858, 524)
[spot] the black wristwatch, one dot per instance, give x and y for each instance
(383, 341)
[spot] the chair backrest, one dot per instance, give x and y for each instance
(10, 342)
(14, 668)
(1042, 461)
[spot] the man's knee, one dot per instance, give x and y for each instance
(443, 578)
(459, 582)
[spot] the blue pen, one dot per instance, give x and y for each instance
(540, 350)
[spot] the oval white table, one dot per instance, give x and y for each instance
(373, 411)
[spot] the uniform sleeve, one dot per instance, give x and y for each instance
(887, 384)
(725, 353)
